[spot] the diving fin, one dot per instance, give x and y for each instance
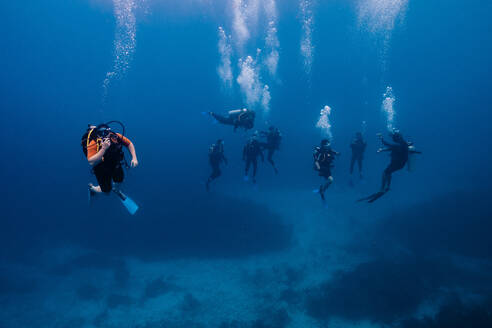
(372, 198)
(90, 194)
(208, 114)
(129, 204)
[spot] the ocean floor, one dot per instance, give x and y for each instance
(329, 276)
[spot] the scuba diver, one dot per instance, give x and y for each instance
(399, 152)
(273, 139)
(324, 156)
(216, 157)
(358, 147)
(244, 118)
(251, 151)
(103, 150)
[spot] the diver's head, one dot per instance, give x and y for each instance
(220, 142)
(325, 142)
(103, 131)
(397, 136)
(358, 135)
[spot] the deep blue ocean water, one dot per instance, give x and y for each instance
(243, 255)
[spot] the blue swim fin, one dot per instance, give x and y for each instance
(130, 205)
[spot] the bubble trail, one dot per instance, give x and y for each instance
(124, 43)
(307, 48)
(388, 108)
(324, 122)
(225, 51)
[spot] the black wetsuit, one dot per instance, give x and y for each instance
(250, 154)
(272, 144)
(216, 157)
(358, 148)
(324, 156)
(399, 156)
(245, 120)
(110, 170)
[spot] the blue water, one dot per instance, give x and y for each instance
(243, 255)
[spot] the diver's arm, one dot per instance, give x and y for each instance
(131, 149)
(385, 143)
(97, 158)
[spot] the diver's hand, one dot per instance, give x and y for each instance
(380, 150)
(134, 162)
(105, 144)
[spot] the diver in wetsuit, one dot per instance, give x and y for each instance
(103, 149)
(251, 151)
(273, 139)
(216, 157)
(399, 152)
(358, 147)
(244, 118)
(324, 156)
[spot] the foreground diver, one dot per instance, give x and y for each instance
(324, 156)
(399, 152)
(216, 157)
(244, 118)
(251, 151)
(273, 139)
(103, 149)
(358, 147)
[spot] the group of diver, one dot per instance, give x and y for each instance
(103, 149)
(252, 150)
(323, 157)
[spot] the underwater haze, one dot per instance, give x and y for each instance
(269, 254)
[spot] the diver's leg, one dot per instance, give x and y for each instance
(328, 183)
(104, 179)
(95, 189)
(352, 162)
(322, 189)
(255, 167)
(360, 166)
(248, 164)
(118, 176)
(215, 172)
(222, 119)
(388, 182)
(386, 178)
(383, 181)
(270, 159)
